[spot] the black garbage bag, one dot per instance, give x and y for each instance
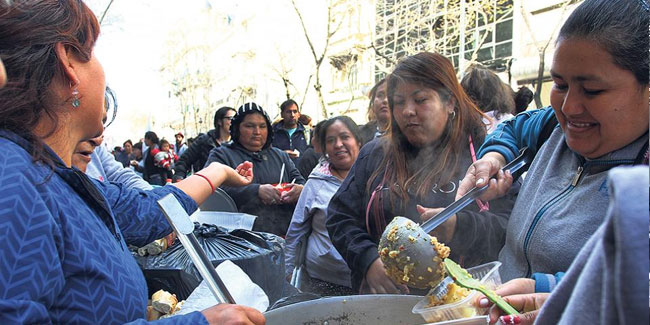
(258, 254)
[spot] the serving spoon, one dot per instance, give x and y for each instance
(411, 256)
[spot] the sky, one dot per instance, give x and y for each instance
(131, 40)
(135, 37)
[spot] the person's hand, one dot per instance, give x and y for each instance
(240, 176)
(3, 75)
(479, 173)
(516, 287)
(268, 194)
(528, 306)
(133, 162)
(445, 231)
(520, 288)
(292, 195)
(245, 170)
(378, 282)
(233, 314)
(293, 154)
(513, 287)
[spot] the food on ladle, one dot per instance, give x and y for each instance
(411, 256)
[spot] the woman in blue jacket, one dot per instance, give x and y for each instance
(64, 254)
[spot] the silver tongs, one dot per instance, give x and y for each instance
(184, 227)
(516, 167)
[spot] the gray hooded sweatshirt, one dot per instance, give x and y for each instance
(561, 204)
(606, 282)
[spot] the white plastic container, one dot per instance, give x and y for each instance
(228, 220)
(488, 275)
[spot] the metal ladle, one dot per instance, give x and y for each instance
(411, 256)
(180, 221)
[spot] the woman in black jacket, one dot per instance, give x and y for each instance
(153, 174)
(251, 141)
(435, 128)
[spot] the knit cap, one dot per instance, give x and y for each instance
(242, 111)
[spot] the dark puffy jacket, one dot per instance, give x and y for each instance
(346, 215)
(299, 139)
(266, 170)
(153, 174)
(196, 155)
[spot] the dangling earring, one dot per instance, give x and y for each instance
(453, 115)
(75, 98)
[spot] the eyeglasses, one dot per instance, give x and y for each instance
(110, 104)
(230, 118)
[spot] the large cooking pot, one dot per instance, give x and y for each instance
(357, 310)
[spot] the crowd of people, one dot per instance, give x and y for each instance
(570, 234)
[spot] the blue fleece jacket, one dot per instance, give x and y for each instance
(64, 249)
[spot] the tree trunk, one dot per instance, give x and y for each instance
(540, 79)
(321, 99)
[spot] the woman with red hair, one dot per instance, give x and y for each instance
(65, 257)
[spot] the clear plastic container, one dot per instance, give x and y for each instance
(489, 276)
(476, 320)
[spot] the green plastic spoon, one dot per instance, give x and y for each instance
(465, 280)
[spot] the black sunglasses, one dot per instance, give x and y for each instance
(110, 104)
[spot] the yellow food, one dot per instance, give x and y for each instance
(392, 235)
(442, 250)
(454, 293)
(163, 301)
(400, 263)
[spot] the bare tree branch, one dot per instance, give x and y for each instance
(318, 59)
(306, 89)
(105, 11)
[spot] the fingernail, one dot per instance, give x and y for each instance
(484, 302)
(480, 181)
(510, 319)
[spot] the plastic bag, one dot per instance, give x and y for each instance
(260, 255)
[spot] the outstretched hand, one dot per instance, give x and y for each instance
(245, 169)
(479, 174)
(240, 176)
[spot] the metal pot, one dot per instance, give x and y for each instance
(357, 310)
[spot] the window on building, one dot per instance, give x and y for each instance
(405, 27)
